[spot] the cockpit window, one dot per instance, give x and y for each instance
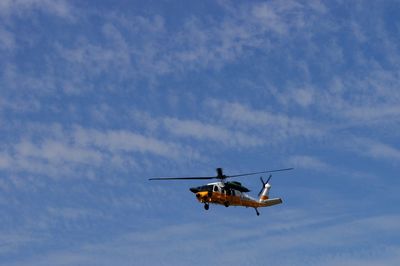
(205, 188)
(215, 188)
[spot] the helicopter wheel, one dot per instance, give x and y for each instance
(206, 206)
(226, 204)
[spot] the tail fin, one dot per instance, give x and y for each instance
(264, 195)
(264, 192)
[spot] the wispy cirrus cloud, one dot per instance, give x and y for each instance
(374, 149)
(56, 151)
(65, 152)
(308, 162)
(7, 40)
(11, 242)
(147, 47)
(341, 238)
(277, 125)
(321, 83)
(58, 8)
(122, 140)
(204, 131)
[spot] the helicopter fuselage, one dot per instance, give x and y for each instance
(224, 194)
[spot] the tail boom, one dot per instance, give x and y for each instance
(270, 202)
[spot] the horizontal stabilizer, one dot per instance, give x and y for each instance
(271, 202)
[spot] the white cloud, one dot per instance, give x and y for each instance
(144, 47)
(11, 242)
(266, 16)
(60, 8)
(72, 214)
(381, 150)
(7, 40)
(276, 126)
(123, 50)
(125, 141)
(373, 114)
(308, 162)
(5, 160)
(389, 256)
(304, 97)
(56, 151)
(362, 101)
(373, 149)
(204, 131)
(328, 241)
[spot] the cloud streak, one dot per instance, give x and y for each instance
(97, 98)
(68, 152)
(204, 131)
(59, 8)
(374, 149)
(342, 237)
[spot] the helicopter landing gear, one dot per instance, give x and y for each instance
(206, 206)
(258, 214)
(226, 204)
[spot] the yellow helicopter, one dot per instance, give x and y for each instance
(231, 193)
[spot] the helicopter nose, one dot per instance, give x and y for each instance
(194, 190)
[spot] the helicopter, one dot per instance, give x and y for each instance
(231, 193)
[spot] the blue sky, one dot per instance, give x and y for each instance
(97, 96)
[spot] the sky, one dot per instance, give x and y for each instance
(98, 96)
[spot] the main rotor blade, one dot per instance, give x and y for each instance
(216, 177)
(269, 171)
(182, 178)
(262, 188)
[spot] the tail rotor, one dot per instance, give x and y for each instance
(264, 193)
(264, 183)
